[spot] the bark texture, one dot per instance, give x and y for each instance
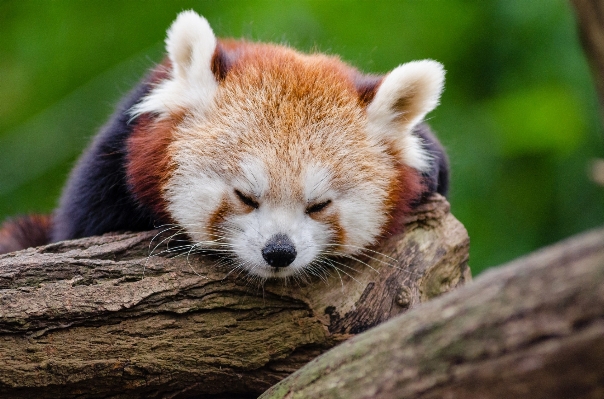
(77, 318)
(531, 329)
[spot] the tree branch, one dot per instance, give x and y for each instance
(533, 328)
(78, 319)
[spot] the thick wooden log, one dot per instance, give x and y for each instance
(77, 318)
(531, 329)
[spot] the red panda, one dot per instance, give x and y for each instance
(273, 157)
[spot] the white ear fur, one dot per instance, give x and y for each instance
(190, 45)
(402, 101)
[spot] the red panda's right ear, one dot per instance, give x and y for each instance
(400, 103)
(190, 44)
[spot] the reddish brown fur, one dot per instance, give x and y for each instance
(148, 164)
(367, 86)
(24, 232)
(224, 56)
(318, 79)
(213, 227)
(333, 220)
(338, 233)
(228, 52)
(269, 57)
(405, 192)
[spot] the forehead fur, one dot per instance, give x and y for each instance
(287, 110)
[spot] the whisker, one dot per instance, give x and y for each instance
(348, 256)
(167, 240)
(389, 264)
(363, 249)
(340, 270)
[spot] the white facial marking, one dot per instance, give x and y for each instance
(258, 227)
(249, 232)
(196, 192)
(360, 216)
(317, 183)
(194, 195)
(253, 178)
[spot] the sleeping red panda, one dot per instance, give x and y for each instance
(273, 157)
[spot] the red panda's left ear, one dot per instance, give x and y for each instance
(401, 102)
(190, 44)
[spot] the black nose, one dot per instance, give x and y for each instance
(279, 251)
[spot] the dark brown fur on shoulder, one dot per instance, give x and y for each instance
(24, 232)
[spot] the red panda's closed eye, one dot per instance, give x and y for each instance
(315, 208)
(247, 200)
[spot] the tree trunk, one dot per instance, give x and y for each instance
(77, 318)
(590, 18)
(531, 329)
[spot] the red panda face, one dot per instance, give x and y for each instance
(280, 175)
(278, 161)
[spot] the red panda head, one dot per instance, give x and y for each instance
(278, 158)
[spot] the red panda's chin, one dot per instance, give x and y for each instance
(267, 272)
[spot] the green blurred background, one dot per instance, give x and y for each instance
(519, 115)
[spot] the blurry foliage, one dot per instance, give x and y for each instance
(519, 115)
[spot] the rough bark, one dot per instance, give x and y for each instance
(531, 329)
(77, 318)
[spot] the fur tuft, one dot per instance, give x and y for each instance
(191, 45)
(402, 101)
(24, 232)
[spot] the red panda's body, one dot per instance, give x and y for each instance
(278, 158)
